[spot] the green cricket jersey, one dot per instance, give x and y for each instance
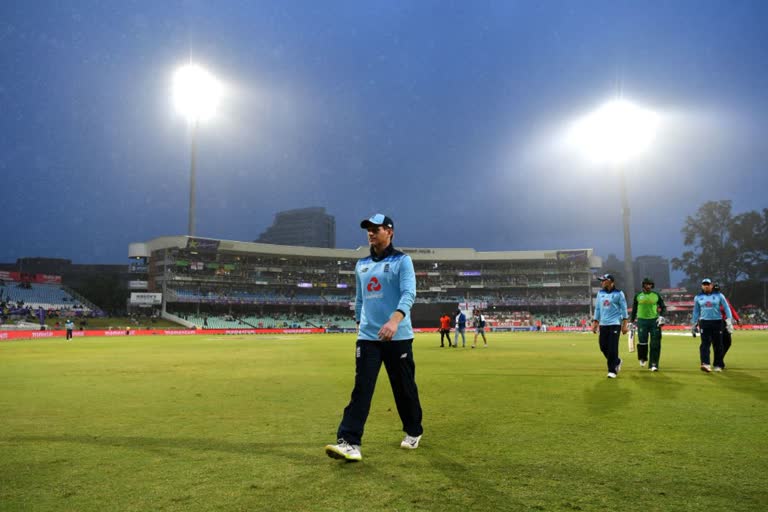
(648, 306)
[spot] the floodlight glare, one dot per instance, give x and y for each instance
(196, 93)
(616, 132)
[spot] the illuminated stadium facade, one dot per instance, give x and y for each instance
(198, 276)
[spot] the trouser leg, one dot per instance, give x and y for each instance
(717, 345)
(643, 332)
(655, 347)
(401, 369)
(727, 340)
(710, 337)
(368, 358)
(609, 345)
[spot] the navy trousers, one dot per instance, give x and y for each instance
(397, 357)
(609, 345)
(711, 334)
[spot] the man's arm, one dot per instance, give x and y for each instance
(596, 318)
(624, 315)
(407, 297)
(358, 296)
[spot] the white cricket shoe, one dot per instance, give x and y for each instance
(611, 375)
(654, 368)
(410, 442)
(718, 369)
(344, 450)
(642, 363)
(706, 368)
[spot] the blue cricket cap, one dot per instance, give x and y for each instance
(378, 219)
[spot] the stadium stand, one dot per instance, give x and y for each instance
(242, 284)
(46, 296)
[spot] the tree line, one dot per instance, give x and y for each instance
(732, 249)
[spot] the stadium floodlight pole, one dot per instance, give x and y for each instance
(614, 134)
(628, 266)
(196, 94)
(192, 179)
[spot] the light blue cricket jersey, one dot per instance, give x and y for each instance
(610, 307)
(706, 306)
(384, 285)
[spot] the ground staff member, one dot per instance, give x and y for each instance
(445, 330)
(386, 289)
(706, 314)
(648, 309)
(610, 317)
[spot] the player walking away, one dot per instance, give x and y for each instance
(611, 318)
(478, 322)
(445, 329)
(69, 325)
(707, 315)
(728, 330)
(461, 326)
(386, 290)
(648, 310)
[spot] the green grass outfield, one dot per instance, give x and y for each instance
(239, 423)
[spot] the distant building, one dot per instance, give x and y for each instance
(615, 266)
(655, 267)
(305, 227)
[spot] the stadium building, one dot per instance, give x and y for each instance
(222, 283)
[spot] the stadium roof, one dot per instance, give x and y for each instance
(145, 249)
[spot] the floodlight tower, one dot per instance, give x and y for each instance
(614, 134)
(196, 95)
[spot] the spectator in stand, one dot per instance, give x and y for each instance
(728, 330)
(478, 322)
(69, 325)
(610, 312)
(648, 310)
(708, 317)
(445, 330)
(461, 326)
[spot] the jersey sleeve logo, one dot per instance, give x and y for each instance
(373, 285)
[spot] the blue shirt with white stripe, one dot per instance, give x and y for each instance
(610, 307)
(384, 284)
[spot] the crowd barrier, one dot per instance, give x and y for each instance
(27, 335)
